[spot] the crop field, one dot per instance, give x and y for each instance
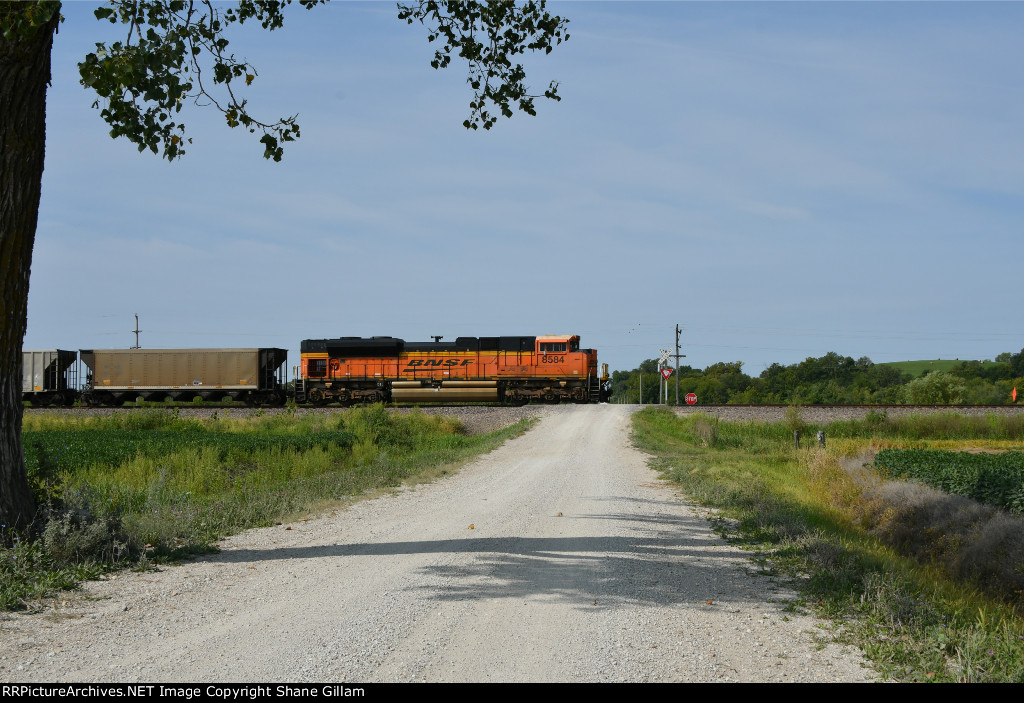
(67, 450)
(994, 479)
(916, 368)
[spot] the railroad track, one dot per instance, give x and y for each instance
(691, 408)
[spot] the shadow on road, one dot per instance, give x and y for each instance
(671, 558)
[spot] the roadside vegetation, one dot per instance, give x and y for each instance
(135, 489)
(835, 380)
(929, 585)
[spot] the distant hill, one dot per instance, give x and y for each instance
(916, 368)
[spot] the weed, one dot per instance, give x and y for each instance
(706, 428)
(794, 419)
(73, 537)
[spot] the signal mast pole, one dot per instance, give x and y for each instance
(137, 330)
(678, 355)
(662, 381)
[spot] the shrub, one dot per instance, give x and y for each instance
(73, 537)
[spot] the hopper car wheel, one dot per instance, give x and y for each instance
(97, 399)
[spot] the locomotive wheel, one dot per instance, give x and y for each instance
(317, 396)
(513, 398)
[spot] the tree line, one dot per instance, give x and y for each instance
(829, 380)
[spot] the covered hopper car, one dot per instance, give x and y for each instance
(48, 377)
(512, 370)
(114, 376)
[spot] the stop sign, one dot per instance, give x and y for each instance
(691, 398)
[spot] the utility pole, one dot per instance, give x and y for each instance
(137, 330)
(678, 355)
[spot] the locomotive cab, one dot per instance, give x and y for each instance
(557, 345)
(561, 356)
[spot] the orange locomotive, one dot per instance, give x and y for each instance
(511, 370)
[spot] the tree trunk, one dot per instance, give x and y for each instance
(24, 76)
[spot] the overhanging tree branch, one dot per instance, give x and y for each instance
(487, 36)
(144, 81)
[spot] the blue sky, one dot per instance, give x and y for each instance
(780, 179)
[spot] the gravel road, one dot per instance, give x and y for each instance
(558, 557)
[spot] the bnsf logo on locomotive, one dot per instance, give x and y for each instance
(413, 363)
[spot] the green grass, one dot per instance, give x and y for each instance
(134, 488)
(916, 368)
(806, 518)
(925, 429)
